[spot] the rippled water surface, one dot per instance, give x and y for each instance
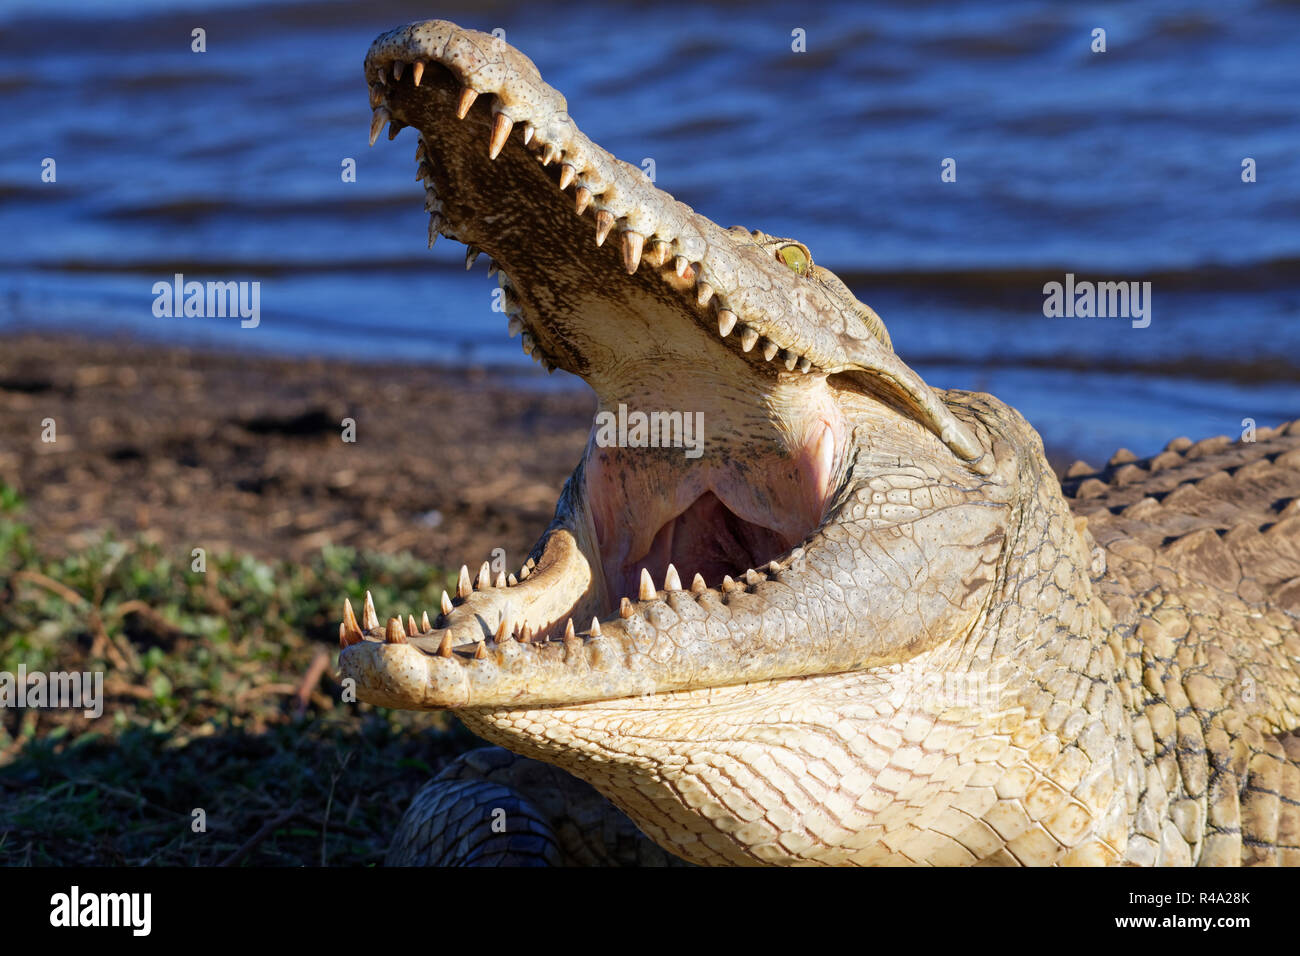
(1122, 165)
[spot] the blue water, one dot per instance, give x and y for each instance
(1117, 166)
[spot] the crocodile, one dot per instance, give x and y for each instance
(866, 624)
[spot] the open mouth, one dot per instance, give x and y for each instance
(721, 440)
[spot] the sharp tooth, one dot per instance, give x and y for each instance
(376, 95)
(528, 342)
(566, 176)
(595, 627)
(493, 268)
(343, 636)
(411, 629)
(748, 339)
(394, 128)
(625, 609)
(728, 583)
(671, 581)
(581, 200)
(511, 580)
(632, 245)
(647, 592)
(604, 223)
(525, 635)
(770, 350)
(726, 322)
(425, 627)
(551, 154)
(480, 650)
(529, 130)
(500, 581)
(697, 584)
(680, 265)
(524, 572)
(463, 587)
(703, 293)
(349, 618)
(446, 603)
(381, 77)
(467, 97)
(568, 630)
(773, 567)
(377, 123)
(500, 133)
(484, 576)
(791, 360)
(417, 71)
(420, 151)
(393, 634)
(368, 616)
(658, 253)
(752, 577)
(514, 325)
(398, 66)
(434, 222)
(444, 646)
(503, 630)
(805, 364)
(471, 255)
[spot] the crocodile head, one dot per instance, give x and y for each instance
(817, 511)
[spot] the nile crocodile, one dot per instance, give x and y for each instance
(866, 625)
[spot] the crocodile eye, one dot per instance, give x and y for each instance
(796, 257)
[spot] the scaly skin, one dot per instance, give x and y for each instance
(936, 661)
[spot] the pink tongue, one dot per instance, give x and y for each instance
(709, 540)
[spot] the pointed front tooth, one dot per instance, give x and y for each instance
(703, 293)
(446, 603)
(726, 322)
(424, 622)
(511, 580)
(444, 646)
(633, 242)
(463, 588)
(697, 584)
(434, 222)
(411, 629)
(551, 154)
(493, 268)
(525, 634)
(376, 95)
(625, 609)
(604, 223)
(368, 616)
(467, 97)
(350, 619)
(566, 176)
(393, 633)
(647, 592)
(471, 256)
(503, 630)
(394, 128)
(480, 650)
(500, 133)
(529, 130)
(417, 71)
(581, 200)
(484, 576)
(728, 583)
(595, 627)
(569, 633)
(528, 343)
(343, 636)
(680, 265)
(791, 360)
(748, 339)
(524, 572)
(770, 349)
(752, 577)
(514, 325)
(377, 123)
(500, 581)
(671, 581)
(398, 67)
(805, 364)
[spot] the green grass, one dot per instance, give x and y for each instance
(204, 708)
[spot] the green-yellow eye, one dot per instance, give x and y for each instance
(796, 257)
